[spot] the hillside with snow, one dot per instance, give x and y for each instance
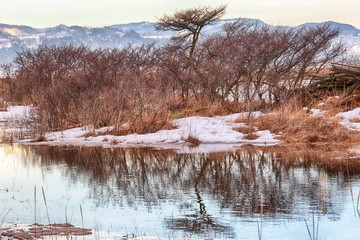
(15, 38)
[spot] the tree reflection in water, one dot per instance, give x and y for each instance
(232, 182)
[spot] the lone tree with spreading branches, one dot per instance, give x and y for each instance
(189, 23)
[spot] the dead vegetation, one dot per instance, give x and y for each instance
(341, 77)
(41, 231)
(193, 141)
(145, 87)
(250, 132)
(295, 124)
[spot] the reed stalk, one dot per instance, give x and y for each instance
(259, 226)
(2, 221)
(313, 219)
(82, 216)
(324, 193)
(328, 187)
(35, 208)
(47, 210)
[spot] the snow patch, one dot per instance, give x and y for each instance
(15, 112)
(215, 134)
(347, 117)
(316, 112)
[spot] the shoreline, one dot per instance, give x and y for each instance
(193, 134)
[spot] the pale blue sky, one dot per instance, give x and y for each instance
(47, 13)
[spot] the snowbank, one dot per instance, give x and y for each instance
(350, 119)
(15, 113)
(215, 134)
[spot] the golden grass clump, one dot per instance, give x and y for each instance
(248, 131)
(194, 142)
(299, 126)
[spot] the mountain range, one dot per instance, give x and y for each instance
(15, 38)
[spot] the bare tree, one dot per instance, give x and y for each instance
(189, 23)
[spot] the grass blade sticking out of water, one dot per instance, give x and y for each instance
(259, 230)
(47, 210)
(351, 191)
(313, 219)
(2, 221)
(320, 192)
(315, 229)
(324, 210)
(328, 188)
(352, 196)
(82, 216)
(357, 204)
(35, 208)
(66, 220)
(261, 216)
(308, 229)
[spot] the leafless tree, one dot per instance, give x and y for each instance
(250, 60)
(189, 23)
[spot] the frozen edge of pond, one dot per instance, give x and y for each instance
(216, 134)
(103, 235)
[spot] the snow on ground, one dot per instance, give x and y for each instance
(12, 120)
(316, 112)
(96, 235)
(350, 119)
(15, 113)
(215, 134)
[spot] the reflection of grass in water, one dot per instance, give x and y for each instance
(37, 230)
(219, 176)
(259, 226)
(315, 228)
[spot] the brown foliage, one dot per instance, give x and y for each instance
(194, 142)
(296, 125)
(246, 67)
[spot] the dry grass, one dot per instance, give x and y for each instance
(143, 127)
(251, 136)
(245, 130)
(354, 120)
(7, 138)
(335, 104)
(198, 107)
(89, 134)
(296, 125)
(248, 131)
(3, 107)
(242, 119)
(39, 139)
(194, 142)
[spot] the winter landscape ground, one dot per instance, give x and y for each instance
(193, 127)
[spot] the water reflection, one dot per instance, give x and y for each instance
(205, 194)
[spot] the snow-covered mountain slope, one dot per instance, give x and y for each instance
(15, 38)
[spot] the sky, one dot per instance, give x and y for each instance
(95, 13)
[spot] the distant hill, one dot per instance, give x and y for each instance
(346, 29)
(17, 38)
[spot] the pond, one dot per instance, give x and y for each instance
(251, 193)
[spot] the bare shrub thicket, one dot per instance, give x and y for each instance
(252, 63)
(245, 66)
(6, 75)
(78, 86)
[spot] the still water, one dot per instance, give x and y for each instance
(198, 196)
